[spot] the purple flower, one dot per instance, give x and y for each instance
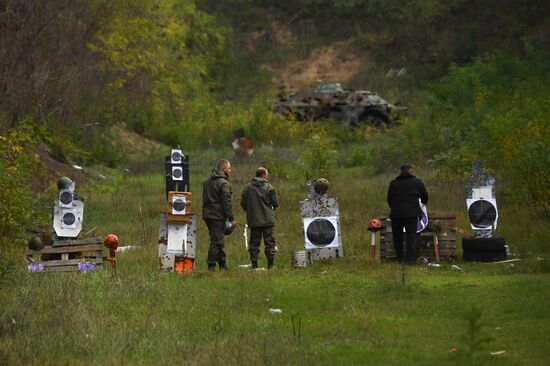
(86, 266)
(35, 267)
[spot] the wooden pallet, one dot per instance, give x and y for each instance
(67, 254)
(425, 241)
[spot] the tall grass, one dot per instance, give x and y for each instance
(348, 311)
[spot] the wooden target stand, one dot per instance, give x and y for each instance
(65, 255)
(426, 240)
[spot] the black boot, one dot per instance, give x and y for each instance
(270, 262)
(223, 265)
(254, 264)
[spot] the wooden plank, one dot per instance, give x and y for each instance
(68, 249)
(66, 262)
(425, 249)
(60, 243)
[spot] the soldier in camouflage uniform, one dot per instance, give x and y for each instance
(260, 200)
(216, 209)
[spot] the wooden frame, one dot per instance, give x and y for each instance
(425, 242)
(67, 257)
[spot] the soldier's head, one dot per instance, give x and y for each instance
(406, 168)
(262, 172)
(224, 167)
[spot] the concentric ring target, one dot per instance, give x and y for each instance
(175, 156)
(65, 197)
(178, 204)
(321, 232)
(482, 213)
(177, 173)
(69, 218)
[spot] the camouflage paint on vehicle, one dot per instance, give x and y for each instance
(331, 101)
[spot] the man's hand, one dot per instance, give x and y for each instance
(234, 223)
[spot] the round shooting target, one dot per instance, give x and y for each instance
(321, 232)
(66, 197)
(178, 205)
(177, 173)
(69, 218)
(482, 213)
(175, 156)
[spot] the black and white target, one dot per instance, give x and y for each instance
(176, 156)
(178, 205)
(321, 232)
(483, 213)
(177, 173)
(65, 198)
(67, 222)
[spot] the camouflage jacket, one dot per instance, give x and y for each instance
(216, 198)
(259, 200)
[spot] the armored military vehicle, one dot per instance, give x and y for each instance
(331, 101)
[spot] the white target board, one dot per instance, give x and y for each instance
(179, 204)
(177, 238)
(67, 222)
(483, 213)
(321, 232)
(176, 156)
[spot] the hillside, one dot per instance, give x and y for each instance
(305, 42)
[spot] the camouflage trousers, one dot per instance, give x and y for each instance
(256, 234)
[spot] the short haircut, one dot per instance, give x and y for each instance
(222, 163)
(260, 172)
(405, 167)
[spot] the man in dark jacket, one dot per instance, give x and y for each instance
(403, 198)
(260, 200)
(216, 209)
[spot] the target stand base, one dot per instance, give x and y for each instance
(483, 249)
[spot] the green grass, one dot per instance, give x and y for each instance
(347, 311)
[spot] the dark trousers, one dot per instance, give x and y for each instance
(397, 225)
(256, 234)
(216, 253)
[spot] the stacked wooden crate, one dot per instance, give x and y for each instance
(425, 242)
(65, 255)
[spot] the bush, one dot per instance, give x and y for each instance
(530, 177)
(318, 157)
(19, 164)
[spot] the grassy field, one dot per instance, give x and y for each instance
(347, 311)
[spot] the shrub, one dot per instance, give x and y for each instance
(318, 157)
(19, 164)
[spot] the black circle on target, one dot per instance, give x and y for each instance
(176, 156)
(482, 213)
(69, 218)
(321, 232)
(66, 197)
(177, 173)
(178, 204)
